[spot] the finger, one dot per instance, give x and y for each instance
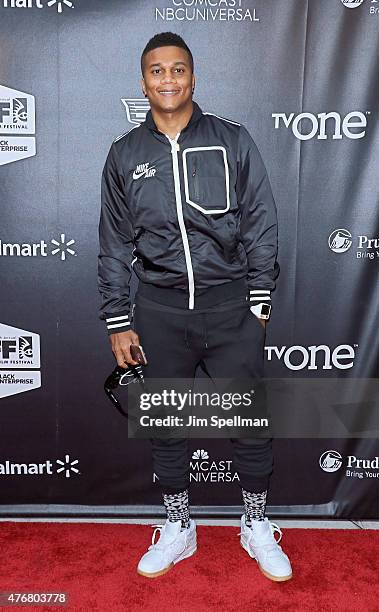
(127, 355)
(120, 359)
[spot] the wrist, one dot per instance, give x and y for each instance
(118, 322)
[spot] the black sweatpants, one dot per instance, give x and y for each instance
(227, 339)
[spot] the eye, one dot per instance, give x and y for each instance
(180, 69)
(155, 70)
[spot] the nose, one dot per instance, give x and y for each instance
(167, 77)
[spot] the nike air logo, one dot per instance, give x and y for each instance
(143, 170)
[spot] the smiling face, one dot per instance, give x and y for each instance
(167, 79)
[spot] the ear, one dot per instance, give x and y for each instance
(143, 86)
(193, 82)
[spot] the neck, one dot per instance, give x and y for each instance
(172, 123)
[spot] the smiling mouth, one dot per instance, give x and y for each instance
(169, 92)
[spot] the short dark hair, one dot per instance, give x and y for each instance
(166, 39)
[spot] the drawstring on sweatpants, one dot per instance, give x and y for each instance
(205, 331)
(204, 335)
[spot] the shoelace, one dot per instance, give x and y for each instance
(271, 547)
(276, 529)
(157, 528)
(159, 545)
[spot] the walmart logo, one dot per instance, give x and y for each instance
(67, 466)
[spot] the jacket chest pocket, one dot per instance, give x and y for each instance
(206, 179)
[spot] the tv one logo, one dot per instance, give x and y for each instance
(306, 126)
(313, 357)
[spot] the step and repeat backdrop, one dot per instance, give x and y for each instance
(302, 76)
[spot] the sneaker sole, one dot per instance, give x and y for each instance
(274, 578)
(163, 571)
(265, 573)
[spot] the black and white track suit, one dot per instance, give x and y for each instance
(195, 218)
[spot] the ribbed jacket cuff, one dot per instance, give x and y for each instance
(259, 296)
(117, 322)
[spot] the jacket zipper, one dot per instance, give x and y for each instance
(179, 210)
(195, 182)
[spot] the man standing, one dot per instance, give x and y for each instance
(187, 202)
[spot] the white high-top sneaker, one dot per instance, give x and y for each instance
(259, 541)
(173, 546)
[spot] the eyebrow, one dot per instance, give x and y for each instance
(160, 64)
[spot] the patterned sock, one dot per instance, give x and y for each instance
(255, 505)
(177, 507)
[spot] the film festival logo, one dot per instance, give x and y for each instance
(17, 125)
(58, 4)
(19, 360)
(203, 469)
(356, 467)
(67, 468)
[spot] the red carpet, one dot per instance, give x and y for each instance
(334, 570)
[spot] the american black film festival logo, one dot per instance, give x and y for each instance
(20, 361)
(17, 125)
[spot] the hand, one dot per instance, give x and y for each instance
(121, 342)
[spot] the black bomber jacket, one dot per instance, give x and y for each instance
(189, 213)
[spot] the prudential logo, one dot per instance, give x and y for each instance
(340, 241)
(356, 467)
(366, 247)
(351, 3)
(330, 461)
